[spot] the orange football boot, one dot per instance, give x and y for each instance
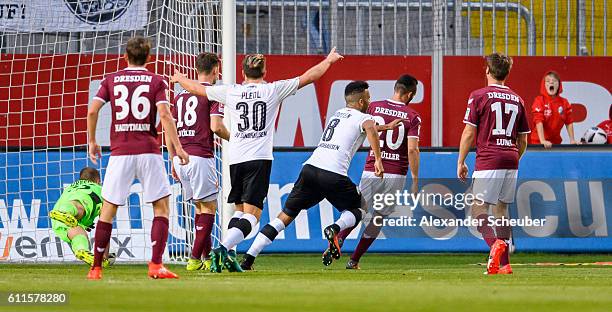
(95, 273)
(159, 271)
(506, 269)
(497, 250)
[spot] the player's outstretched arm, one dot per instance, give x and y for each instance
(92, 121)
(467, 138)
(217, 126)
(414, 157)
(369, 126)
(191, 86)
(315, 72)
(390, 126)
(172, 140)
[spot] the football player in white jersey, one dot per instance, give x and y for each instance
(252, 107)
(324, 175)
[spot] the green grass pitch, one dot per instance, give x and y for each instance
(300, 283)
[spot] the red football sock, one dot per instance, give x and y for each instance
(503, 233)
(159, 236)
(487, 231)
(367, 238)
(101, 239)
(209, 223)
(202, 244)
(345, 233)
(198, 243)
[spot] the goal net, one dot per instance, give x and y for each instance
(53, 55)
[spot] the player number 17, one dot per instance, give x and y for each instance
(511, 109)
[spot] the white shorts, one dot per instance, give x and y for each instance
(122, 170)
(369, 185)
(494, 186)
(198, 178)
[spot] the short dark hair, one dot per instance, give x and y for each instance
(206, 61)
(355, 88)
(499, 65)
(137, 50)
(89, 174)
(405, 84)
(254, 65)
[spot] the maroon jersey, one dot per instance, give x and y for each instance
(394, 143)
(499, 115)
(134, 94)
(192, 114)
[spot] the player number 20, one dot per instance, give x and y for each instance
(140, 105)
(511, 109)
(389, 134)
(190, 117)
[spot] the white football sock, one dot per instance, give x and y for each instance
(235, 235)
(346, 220)
(261, 241)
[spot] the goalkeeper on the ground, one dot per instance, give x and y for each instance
(74, 213)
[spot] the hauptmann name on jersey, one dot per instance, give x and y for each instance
(132, 127)
(133, 78)
(503, 96)
(391, 112)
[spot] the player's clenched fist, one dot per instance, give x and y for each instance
(183, 156)
(94, 152)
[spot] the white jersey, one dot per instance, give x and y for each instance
(342, 137)
(252, 108)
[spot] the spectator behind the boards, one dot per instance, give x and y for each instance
(606, 126)
(550, 112)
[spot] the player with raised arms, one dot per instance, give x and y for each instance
(399, 152)
(74, 213)
(325, 174)
(136, 96)
(253, 107)
(496, 118)
(197, 120)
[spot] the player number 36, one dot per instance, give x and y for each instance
(141, 106)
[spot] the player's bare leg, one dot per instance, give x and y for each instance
(500, 211)
(264, 238)
(102, 238)
(204, 221)
(159, 237)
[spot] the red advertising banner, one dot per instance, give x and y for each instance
(586, 84)
(44, 98)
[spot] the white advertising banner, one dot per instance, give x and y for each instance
(72, 15)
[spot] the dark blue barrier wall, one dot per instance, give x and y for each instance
(37, 175)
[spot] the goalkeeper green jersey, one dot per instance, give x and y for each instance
(85, 192)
